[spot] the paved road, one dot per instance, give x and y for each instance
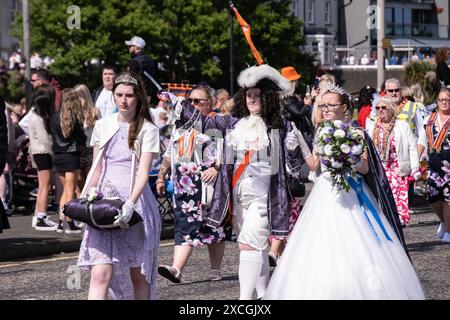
(47, 278)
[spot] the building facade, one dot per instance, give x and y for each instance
(345, 31)
(411, 25)
(320, 26)
(8, 44)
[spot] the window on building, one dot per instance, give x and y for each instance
(327, 53)
(311, 9)
(422, 22)
(14, 9)
(328, 12)
(389, 21)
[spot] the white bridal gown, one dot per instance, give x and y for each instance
(333, 253)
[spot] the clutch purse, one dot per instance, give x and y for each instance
(296, 187)
(98, 213)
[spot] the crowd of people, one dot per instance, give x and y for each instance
(396, 58)
(235, 163)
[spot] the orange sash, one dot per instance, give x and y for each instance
(240, 169)
(435, 145)
(236, 176)
(190, 146)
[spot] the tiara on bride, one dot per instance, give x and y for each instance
(330, 87)
(125, 78)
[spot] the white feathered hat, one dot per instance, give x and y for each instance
(264, 77)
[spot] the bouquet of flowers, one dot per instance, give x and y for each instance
(93, 195)
(339, 148)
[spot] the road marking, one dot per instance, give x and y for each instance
(58, 259)
(36, 261)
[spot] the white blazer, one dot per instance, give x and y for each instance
(105, 128)
(405, 145)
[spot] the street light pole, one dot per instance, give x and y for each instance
(26, 49)
(231, 50)
(380, 49)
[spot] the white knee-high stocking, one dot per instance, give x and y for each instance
(253, 273)
(263, 278)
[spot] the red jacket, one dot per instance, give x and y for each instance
(363, 114)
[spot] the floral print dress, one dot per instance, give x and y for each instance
(399, 184)
(190, 222)
(439, 170)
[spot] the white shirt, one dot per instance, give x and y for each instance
(24, 123)
(36, 62)
(105, 103)
(155, 112)
(351, 60)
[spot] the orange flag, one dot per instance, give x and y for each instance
(246, 30)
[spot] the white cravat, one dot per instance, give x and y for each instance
(250, 133)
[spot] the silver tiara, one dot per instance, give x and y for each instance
(125, 78)
(330, 87)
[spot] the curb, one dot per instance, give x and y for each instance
(26, 250)
(16, 251)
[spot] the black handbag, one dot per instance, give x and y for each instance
(98, 214)
(296, 187)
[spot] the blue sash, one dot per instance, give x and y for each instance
(364, 200)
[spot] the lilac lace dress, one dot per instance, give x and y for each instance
(135, 247)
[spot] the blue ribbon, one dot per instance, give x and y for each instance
(357, 185)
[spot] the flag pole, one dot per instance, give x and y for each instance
(230, 11)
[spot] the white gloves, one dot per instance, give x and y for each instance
(125, 217)
(416, 174)
(295, 138)
(424, 156)
(291, 140)
(168, 96)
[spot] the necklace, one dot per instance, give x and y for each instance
(383, 144)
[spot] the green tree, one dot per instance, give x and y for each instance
(423, 73)
(276, 33)
(188, 38)
(12, 86)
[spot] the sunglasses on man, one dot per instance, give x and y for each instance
(393, 90)
(195, 102)
(381, 107)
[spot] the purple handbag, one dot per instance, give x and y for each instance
(98, 214)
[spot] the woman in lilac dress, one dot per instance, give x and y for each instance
(125, 144)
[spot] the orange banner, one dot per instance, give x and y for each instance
(246, 30)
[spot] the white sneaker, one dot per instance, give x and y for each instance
(34, 221)
(80, 224)
(446, 238)
(441, 230)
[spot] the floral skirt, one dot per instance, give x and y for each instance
(438, 186)
(190, 222)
